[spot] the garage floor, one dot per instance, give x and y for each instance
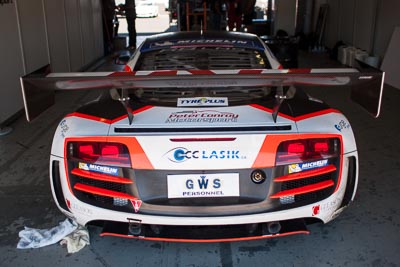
(366, 234)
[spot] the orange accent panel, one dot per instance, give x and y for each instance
(306, 174)
(206, 240)
(139, 159)
(100, 176)
(102, 192)
(304, 190)
(316, 114)
(85, 139)
(88, 117)
(267, 154)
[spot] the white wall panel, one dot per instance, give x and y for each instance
(97, 27)
(346, 20)
(332, 24)
(285, 16)
(65, 33)
(89, 54)
(388, 18)
(57, 35)
(11, 62)
(74, 36)
(364, 24)
(33, 34)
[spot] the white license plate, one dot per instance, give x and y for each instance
(203, 185)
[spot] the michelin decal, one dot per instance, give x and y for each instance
(307, 166)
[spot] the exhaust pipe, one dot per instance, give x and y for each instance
(135, 227)
(156, 228)
(273, 227)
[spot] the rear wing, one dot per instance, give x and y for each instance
(38, 88)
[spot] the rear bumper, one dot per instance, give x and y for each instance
(200, 234)
(234, 227)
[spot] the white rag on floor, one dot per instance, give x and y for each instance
(76, 240)
(36, 238)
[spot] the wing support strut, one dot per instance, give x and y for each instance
(124, 99)
(280, 97)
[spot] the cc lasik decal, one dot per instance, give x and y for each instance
(181, 154)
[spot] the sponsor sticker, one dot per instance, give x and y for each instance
(327, 207)
(64, 127)
(98, 168)
(307, 166)
(136, 203)
(316, 210)
(81, 209)
(203, 185)
(342, 125)
(202, 101)
(202, 116)
(181, 154)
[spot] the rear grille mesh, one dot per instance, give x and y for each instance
(308, 186)
(116, 187)
(312, 186)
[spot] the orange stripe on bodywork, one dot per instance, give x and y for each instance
(100, 176)
(304, 189)
(183, 240)
(306, 174)
(267, 155)
(102, 192)
(298, 118)
(139, 159)
(88, 117)
(316, 114)
(99, 119)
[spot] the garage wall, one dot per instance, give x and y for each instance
(285, 15)
(11, 64)
(351, 21)
(65, 33)
(388, 18)
(366, 24)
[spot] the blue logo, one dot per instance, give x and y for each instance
(342, 125)
(181, 154)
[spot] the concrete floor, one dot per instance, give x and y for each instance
(366, 234)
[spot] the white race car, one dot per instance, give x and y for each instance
(203, 138)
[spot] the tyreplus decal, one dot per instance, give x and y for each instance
(342, 125)
(98, 168)
(202, 116)
(202, 101)
(307, 166)
(181, 154)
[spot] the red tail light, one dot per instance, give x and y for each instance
(296, 151)
(102, 153)
(110, 151)
(321, 146)
(296, 148)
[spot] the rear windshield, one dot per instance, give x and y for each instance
(237, 95)
(203, 58)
